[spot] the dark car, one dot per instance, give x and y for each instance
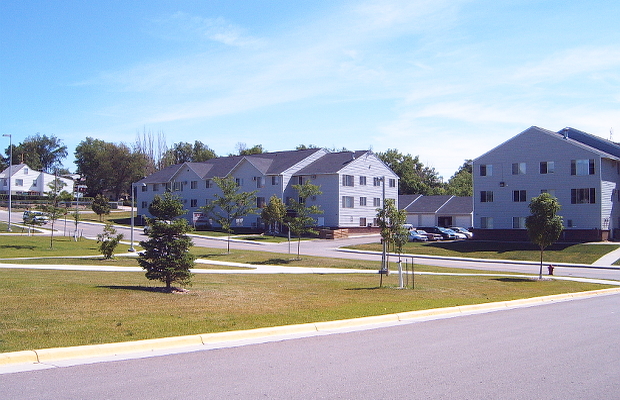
(430, 236)
(445, 233)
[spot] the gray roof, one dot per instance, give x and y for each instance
(405, 200)
(267, 163)
(444, 204)
(596, 142)
(331, 163)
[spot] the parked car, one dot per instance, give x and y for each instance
(36, 217)
(430, 236)
(446, 234)
(459, 235)
(415, 236)
(463, 231)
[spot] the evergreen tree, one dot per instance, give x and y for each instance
(166, 255)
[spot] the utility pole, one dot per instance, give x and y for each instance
(10, 173)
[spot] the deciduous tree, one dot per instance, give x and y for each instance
(300, 220)
(101, 206)
(543, 225)
(273, 214)
(108, 240)
(230, 205)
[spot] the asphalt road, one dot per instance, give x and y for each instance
(567, 350)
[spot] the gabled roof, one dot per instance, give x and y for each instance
(444, 204)
(14, 169)
(404, 200)
(331, 163)
(597, 145)
(274, 163)
(458, 205)
(604, 145)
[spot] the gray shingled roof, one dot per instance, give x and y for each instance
(444, 204)
(458, 205)
(596, 142)
(331, 163)
(268, 163)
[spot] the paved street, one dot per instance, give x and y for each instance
(566, 350)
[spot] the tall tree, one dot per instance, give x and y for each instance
(40, 152)
(543, 225)
(300, 220)
(230, 205)
(153, 147)
(186, 152)
(166, 255)
(462, 183)
(107, 166)
(415, 178)
(243, 150)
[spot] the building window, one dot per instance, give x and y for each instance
(486, 196)
(347, 201)
(518, 168)
(362, 201)
(177, 186)
(239, 181)
(583, 196)
(260, 182)
(392, 183)
(144, 204)
(518, 222)
(34, 183)
(4, 182)
(19, 182)
(300, 180)
(208, 184)
(486, 222)
(156, 187)
(569, 223)
(144, 188)
(194, 185)
(347, 180)
(376, 202)
(193, 203)
(486, 170)
(25, 171)
(582, 167)
(547, 167)
(362, 181)
(376, 181)
(362, 221)
(519, 196)
(275, 180)
(260, 202)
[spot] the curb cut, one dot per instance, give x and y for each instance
(48, 356)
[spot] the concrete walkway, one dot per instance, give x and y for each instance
(609, 258)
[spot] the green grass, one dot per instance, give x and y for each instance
(42, 309)
(559, 253)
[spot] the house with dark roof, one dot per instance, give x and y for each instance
(444, 210)
(354, 183)
(581, 170)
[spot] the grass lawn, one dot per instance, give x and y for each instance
(564, 253)
(42, 309)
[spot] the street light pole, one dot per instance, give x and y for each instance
(133, 194)
(10, 173)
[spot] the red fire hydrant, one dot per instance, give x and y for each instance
(550, 267)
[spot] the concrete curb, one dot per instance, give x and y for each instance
(48, 356)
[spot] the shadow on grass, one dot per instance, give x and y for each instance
(17, 247)
(273, 261)
(144, 289)
(499, 247)
(368, 288)
(514, 280)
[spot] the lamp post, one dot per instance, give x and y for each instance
(133, 194)
(10, 173)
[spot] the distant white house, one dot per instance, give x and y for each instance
(25, 180)
(581, 170)
(354, 183)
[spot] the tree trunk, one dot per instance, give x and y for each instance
(541, 263)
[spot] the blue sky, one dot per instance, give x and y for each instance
(445, 80)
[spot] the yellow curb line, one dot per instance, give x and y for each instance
(149, 345)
